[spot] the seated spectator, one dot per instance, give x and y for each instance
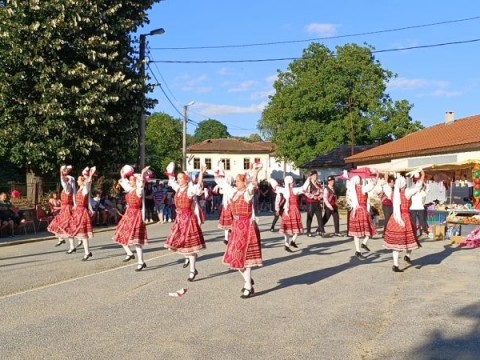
(110, 210)
(9, 217)
(54, 203)
(98, 207)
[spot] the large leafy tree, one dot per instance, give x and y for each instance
(163, 141)
(326, 99)
(210, 129)
(70, 90)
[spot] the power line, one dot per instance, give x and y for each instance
(297, 58)
(321, 38)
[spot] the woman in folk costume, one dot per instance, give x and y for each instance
(291, 225)
(400, 235)
(61, 220)
(131, 229)
(244, 249)
(226, 218)
(81, 224)
(186, 236)
(360, 222)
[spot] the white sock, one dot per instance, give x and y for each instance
(226, 235)
(71, 243)
(192, 263)
(294, 238)
(85, 246)
(139, 250)
(247, 275)
(356, 240)
(127, 250)
(395, 257)
(365, 240)
(287, 240)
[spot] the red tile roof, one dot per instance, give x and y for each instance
(231, 146)
(459, 135)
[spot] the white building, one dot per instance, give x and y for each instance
(237, 156)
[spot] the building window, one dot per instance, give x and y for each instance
(226, 163)
(196, 163)
(257, 160)
(246, 163)
(208, 163)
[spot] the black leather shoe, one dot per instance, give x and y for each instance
(192, 275)
(359, 255)
(225, 242)
(140, 267)
(292, 244)
(365, 247)
(71, 251)
(287, 248)
(128, 258)
(186, 263)
(250, 293)
(86, 257)
(396, 269)
(253, 283)
(407, 259)
(60, 242)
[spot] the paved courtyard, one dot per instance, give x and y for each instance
(316, 303)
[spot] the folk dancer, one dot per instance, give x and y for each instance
(80, 226)
(226, 217)
(244, 249)
(330, 204)
(186, 236)
(62, 219)
(360, 222)
(131, 229)
(313, 191)
(400, 235)
(384, 190)
(279, 207)
(291, 223)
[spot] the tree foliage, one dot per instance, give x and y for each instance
(210, 129)
(251, 138)
(163, 137)
(324, 97)
(70, 91)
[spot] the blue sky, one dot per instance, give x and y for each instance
(435, 79)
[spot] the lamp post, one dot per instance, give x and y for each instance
(184, 140)
(141, 130)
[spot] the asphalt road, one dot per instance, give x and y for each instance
(317, 303)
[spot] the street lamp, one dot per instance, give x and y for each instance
(141, 131)
(184, 142)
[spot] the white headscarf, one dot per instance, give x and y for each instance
(352, 193)
(400, 183)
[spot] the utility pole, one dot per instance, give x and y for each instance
(184, 139)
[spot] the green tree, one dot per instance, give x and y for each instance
(70, 91)
(251, 138)
(325, 100)
(163, 135)
(210, 129)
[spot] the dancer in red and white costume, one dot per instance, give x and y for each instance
(131, 229)
(81, 225)
(226, 217)
(360, 222)
(186, 236)
(399, 234)
(244, 249)
(62, 219)
(291, 225)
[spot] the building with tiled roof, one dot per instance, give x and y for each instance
(237, 156)
(451, 142)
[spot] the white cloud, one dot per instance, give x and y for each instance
(189, 84)
(443, 93)
(216, 110)
(262, 95)
(244, 86)
(224, 71)
(271, 79)
(407, 84)
(323, 30)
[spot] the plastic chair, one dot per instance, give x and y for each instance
(42, 217)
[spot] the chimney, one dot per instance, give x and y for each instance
(449, 117)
